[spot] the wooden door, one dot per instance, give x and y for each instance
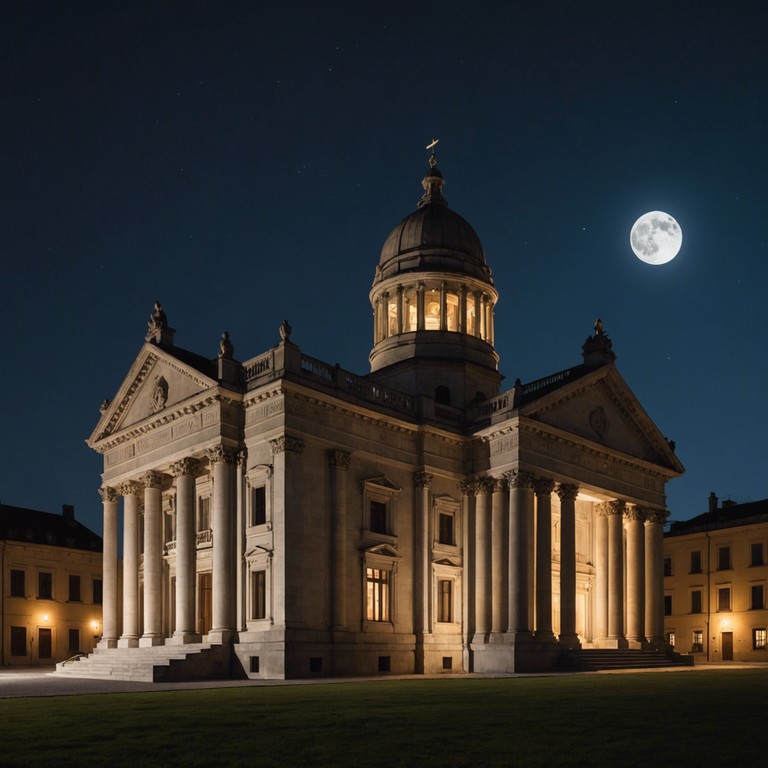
(44, 643)
(727, 646)
(204, 602)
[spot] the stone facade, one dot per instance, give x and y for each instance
(415, 519)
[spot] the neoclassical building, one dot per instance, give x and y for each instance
(299, 519)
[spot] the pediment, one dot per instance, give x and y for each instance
(602, 409)
(447, 561)
(383, 550)
(383, 483)
(157, 381)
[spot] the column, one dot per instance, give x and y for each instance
(109, 634)
(399, 293)
(520, 484)
(616, 637)
(185, 472)
(568, 636)
(153, 559)
(543, 488)
(601, 572)
(240, 525)
(635, 518)
(482, 552)
(654, 577)
(222, 460)
(130, 491)
(443, 308)
(499, 569)
(422, 572)
(339, 463)
(468, 489)
(420, 324)
(463, 308)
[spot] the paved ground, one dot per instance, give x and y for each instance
(42, 681)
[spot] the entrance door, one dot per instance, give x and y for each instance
(44, 643)
(727, 638)
(205, 602)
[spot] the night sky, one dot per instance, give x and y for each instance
(244, 163)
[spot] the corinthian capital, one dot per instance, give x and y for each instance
(221, 454)
(422, 479)
(499, 484)
(468, 487)
(608, 508)
(657, 516)
(152, 480)
(131, 488)
(339, 459)
(567, 491)
(485, 485)
(519, 479)
(287, 444)
(186, 467)
(543, 486)
(108, 494)
(634, 514)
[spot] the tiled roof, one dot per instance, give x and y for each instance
(35, 527)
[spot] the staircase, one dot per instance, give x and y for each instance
(157, 664)
(597, 659)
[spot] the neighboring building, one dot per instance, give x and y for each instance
(51, 586)
(414, 519)
(715, 576)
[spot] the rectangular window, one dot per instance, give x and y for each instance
(73, 645)
(696, 601)
(98, 591)
(696, 561)
(18, 583)
(45, 585)
(259, 589)
(697, 641)
(757, 554)
(18, 641)
(667, 605)
(667, 566)
(204, 513)
(259, 505)
(759, 639)
(74, 589)
(723, 558)
(378, 522)
(445, 600)
(724, 599)
(670, 638)
(377, 594)
(758, 597)
(446, 529)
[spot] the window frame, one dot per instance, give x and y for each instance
(18, 635)
(695, 567)
(668, 571)
(97, 593)
(753, 561)
(722, 590)
(446, 506)
(14, 587)
(721, 550)
(697, 641)
(49, 590)
(759, 639)
(381, 557)
(668, 605)
(752, 602)
(696, 596)
(76, 595)
(380, 490)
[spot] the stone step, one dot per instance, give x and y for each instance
(595, 659)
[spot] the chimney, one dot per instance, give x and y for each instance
(712, 502)
(68, 511)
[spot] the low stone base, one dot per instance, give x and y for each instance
(149, 641)
(510, 653)
(128, 642)
(107, 642)
(618, 643)
(220, 636)
(183, 638)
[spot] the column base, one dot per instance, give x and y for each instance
(220, 636)
(128, 642)
(617, 643)
(183, 638)
(545, 636)
(570, 642)
(637, 643)
(148, 641)
(107, 642)
(513, 652)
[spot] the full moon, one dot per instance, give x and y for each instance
(656, 238)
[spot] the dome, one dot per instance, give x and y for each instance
(433, 239)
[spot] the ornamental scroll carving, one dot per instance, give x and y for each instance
(485, 485)
(131, 488)
(657, 516)
(221, 454)
(498, 484)
(287, 444)
(468, 487)
(608, 508)
(187, 467)
(339, 459)
(635, 514)
(543, 486)
(422, 479)
(108, 494)
(519, 479)
(152, 480)
(567, 491)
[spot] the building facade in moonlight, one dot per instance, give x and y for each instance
(302, 520)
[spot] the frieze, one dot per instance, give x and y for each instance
(505, 444)
(184, 428)
(264, 411)
(153, 441)
(119, 455)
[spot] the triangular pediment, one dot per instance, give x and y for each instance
(383, 483)
(601, 408)
(156, 382)
(383, 550)
(447, 561)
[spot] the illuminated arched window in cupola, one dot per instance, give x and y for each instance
(432, 310)
(392, 328)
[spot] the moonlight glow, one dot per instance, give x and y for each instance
(656, 238)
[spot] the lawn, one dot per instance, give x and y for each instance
(684, 718)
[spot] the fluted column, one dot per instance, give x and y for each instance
(635, 518)
(109, 632)
(482, 554)
(601, 571)
(153, 559)
(499, 569)
(654, 577)
(131, 492)
(568, 636)
(616, 637)
(339, 464)
(520, 484)
(544, 487)
(185, 472)
(222, 460)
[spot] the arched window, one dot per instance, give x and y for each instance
(432, 310)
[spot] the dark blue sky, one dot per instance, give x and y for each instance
(244, 162)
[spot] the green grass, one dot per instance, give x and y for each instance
(685, 718)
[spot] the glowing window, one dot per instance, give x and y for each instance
(471, 316)
(445, 600)
(410, 318)
(759, 639)
(392, 316)
(697, 641)
(432, 310)
(452, 312)
(377, 594)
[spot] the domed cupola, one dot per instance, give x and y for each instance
(433, 299)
